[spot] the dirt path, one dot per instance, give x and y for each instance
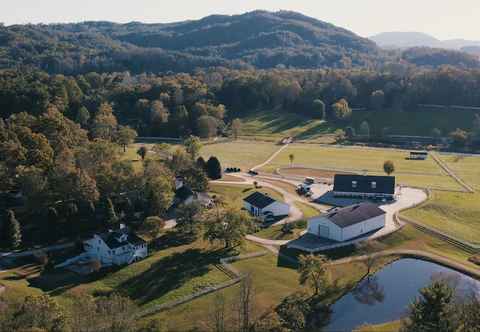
(451, 173)
(270, 158)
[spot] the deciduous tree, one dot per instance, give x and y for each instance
(312, 272)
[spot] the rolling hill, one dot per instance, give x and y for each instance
(260, 39)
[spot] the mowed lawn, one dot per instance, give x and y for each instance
(409, 172)
(456, 214)
(270, 125)
(466, 167)
(234, 194)
(242, 154)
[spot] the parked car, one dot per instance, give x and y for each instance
(252, 172)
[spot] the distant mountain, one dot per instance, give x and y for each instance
(393, 40)
(260, 39)
(405, 40)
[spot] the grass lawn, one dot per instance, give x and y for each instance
(466, 167)
(274, 126)
(234, 194)
(275, 233)
(277, 124)
(387, 327)
(272, 281)
(411, 172)
(456, 214)
(168, 274)
(307, 210)
(242, 154)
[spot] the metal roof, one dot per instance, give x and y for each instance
(370, 184)
(259, 200)
(354, 214)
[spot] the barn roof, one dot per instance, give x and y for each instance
(364, 184)
(354, 214)
(259, 200)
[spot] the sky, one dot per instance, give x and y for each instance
(443, 19)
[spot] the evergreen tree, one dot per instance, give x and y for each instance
(214, 169)
(201, 163)
(12, 231)
(433, 311)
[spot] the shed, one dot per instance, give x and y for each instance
(347, 223)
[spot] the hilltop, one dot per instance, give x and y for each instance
(260, 39)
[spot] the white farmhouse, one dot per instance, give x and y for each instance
(348, 223)
(259, 204)
(118, 247)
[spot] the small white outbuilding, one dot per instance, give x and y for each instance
(348, 223)
(259, 204)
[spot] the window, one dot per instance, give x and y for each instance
(354, 184)
(374, 185)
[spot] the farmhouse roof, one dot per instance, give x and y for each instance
(354, 214)
(111, 238)
(370, 184)
(183, 193)
(259, 200)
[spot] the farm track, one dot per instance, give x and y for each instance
(452, 173)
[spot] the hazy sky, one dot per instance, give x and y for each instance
(440, 18)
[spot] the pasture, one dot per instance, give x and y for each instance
(365, 160)
(456, 214)
(466, 167)
(243, 154)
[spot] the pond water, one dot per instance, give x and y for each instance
(386, 295)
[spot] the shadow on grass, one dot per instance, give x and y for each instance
(170, 273)
(171, 239)
(57, 281)
(289, 257)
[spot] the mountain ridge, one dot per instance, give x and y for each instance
(408, 39)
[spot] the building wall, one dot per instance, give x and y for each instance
(278, 209)
(363, 195)
(335, 232)
(339, 234)
(97, 248)
(362, 228)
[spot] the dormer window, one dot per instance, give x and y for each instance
(374, 185)
(354, 184)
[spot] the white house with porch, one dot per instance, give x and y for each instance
(119, 247)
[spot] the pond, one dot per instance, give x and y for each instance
(386, 295)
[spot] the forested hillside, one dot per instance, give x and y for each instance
(257, 39)
(260, 39)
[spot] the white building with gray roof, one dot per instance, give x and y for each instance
(348, 223)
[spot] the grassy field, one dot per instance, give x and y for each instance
(456, 214)
(277, 124)
(410, 172)
(234, 194)
(242, 154)
(272, 281)
(274, 126)
(466, 167)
